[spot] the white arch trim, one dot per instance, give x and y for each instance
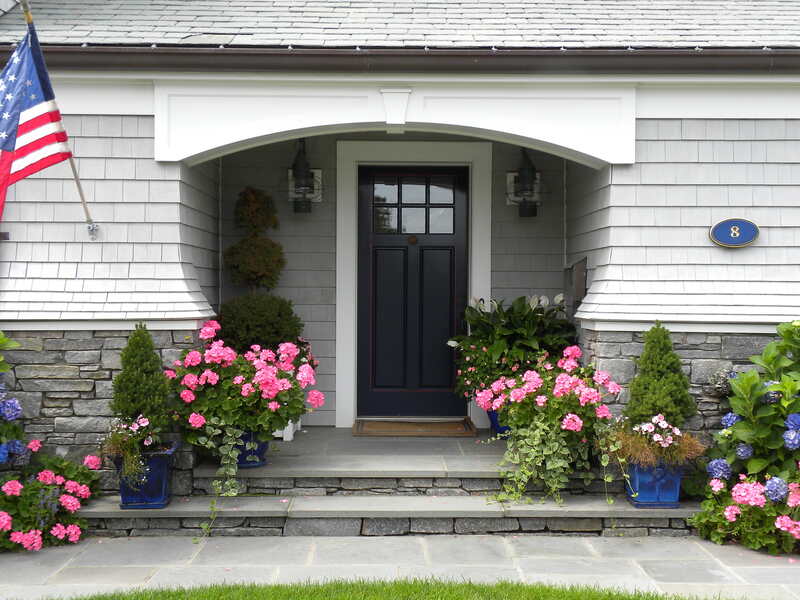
(590, 123)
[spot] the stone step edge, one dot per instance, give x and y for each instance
(387, 507)
(311, 472)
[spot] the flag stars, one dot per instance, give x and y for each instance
(3, 135)
(12, 77)
(6, 115)
(28, 82)
(9, 96)
(16, 60)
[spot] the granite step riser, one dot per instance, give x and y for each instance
(357, 526)
(364, 486)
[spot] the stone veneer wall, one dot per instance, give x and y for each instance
(702, 354)
(63, 381)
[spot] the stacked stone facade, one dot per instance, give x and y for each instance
(63, 379)
(702, 355)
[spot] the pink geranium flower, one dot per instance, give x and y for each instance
(732, 512)
(192, 359)
(305, 376)
(12, 488)
(31, 541)
(794, 495)
(70, 503)
(716, 485)
(602, 411)
(209, 376)
(247, 389)
(238, 380)
(573, 352)
(750, 494)
(34, 445)
(190, 380)
(197, 420)
(315, 398)
(572, 422)
(170, 374)
(92, 462)
(541, 400)
(47, 477)
(613, 387)
(187, 396)
(274, 406)
(5, 521)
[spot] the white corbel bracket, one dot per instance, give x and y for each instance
(395, 105)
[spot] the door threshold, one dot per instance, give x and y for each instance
(463, 427)
(415, 419)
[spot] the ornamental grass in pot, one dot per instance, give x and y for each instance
(231, 403)
(136, 443)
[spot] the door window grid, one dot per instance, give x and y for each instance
(419, 204)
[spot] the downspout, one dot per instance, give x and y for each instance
(219, 233)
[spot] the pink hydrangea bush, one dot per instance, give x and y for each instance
(40, 505)
(225, 394)
(554, 408)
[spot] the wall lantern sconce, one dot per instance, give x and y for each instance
(305, 183)
(524, 187)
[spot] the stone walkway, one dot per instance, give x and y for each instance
(686, 565)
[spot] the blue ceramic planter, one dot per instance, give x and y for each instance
(497, 429)
(154, 491)
(259, 453)
(654, 487)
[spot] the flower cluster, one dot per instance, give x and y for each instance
(659, 431)
(12, 448)
(39, 505)
(791, 437)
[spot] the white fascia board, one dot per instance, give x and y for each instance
(742, 100)
(97, 325)
(103, 96)
(677, 325)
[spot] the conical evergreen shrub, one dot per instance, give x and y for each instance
(660, 386)
(141, 388)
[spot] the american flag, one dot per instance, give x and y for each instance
(32, 136)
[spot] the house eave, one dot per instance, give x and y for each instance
(550, 60)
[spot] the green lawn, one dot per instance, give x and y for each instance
(403, 590)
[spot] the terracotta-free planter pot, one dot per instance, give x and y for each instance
(154, 491)
(654, 487)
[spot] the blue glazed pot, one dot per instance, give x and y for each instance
(154, 491)
(654, 487)
(259, 453)
(497, 429)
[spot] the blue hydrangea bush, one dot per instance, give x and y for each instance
(13, 449)
(753, 495)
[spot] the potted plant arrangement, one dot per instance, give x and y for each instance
(648, 442)
(231, 403)
(141, 407)
(753, 491)
(506, 339)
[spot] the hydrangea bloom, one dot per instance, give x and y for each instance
(730, 419)
(771, 397)
(16, 447)
(791, 439)
(10, 409)
(4, 452)
(744, 451)
(92, 462)
(793, 421)
(12, 488)
(719, 469)
(776, 489)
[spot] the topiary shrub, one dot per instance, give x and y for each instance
(660, 386)
(255, 261)
(141, 388)
(261, 319)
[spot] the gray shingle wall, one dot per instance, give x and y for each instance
(395, 23)
(588, 193)
(689, 175)
(141, 266)
(526, 254)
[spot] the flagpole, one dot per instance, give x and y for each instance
(90, 224)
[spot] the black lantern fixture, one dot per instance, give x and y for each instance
(303, 181)
(527, 187)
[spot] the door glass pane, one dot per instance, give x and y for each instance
(413, 220)
(384, 219)
(441, 189)
(441, 220)
(384, 190)
(413, 190)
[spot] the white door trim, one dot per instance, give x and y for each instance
(349, 155)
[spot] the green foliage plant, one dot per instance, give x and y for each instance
(258, 319)
(6, 343)
(255, 261)
(502, 338)
(760, 446)
(43, 507)
(660, 387)
(140, 404)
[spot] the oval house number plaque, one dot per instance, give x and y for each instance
(734, 233)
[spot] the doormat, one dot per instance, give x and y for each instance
(463, 428)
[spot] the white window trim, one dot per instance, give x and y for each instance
(349, 156)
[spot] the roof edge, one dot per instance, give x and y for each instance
(665, 61)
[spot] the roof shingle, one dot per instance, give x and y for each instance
(416, 23)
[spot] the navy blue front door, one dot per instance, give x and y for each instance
(412, 288)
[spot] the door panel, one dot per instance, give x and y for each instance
(412, 288)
